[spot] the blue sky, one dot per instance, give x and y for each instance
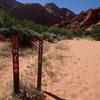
(75, 5)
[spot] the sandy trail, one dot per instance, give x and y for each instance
(71, 70)
(81, 69)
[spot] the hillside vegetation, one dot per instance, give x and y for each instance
(55, 59)
(26, 30)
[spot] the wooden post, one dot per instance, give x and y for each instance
(39, 83)
(15, 50)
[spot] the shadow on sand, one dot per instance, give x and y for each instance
(53, 96)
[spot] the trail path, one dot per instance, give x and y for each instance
(80, 69)
(71, 70)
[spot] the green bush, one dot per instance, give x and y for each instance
(40, 28)
(68, 33)
(57, 31)
(76, 33)
(26, 29)
(96, 28)
(49, 36)
(95, 34)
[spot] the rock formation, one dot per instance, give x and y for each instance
(63, 13)
(84, 20)
(8, 4)
(51, 15)
(48, 15)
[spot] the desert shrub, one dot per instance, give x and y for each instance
(49, 36)
(25, 35)
(23, 28)
(6, 20)
(95, 34)
(28, 92)
(96, 28)
(40, 28)
(68, 33)
(78, 33)
(26, 29)
(57, 31)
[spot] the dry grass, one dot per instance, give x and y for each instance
(5, 50)
(62, 47)
(28, 68)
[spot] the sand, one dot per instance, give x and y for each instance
(80, 71)
(71, 70)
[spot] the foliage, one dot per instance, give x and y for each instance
(10, 25)
(96, 33)
(57, 31)
(49, 36)
(26, 30)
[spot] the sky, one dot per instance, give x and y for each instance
(75, 5)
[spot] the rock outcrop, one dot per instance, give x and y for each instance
(51, 15)
(34, 12)
(8, 4)
(84, 20)
(63, 13)
(48, 15)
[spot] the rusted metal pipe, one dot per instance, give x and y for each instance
(15, 57)
(40, 53)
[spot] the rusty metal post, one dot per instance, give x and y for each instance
(39, 80)
(15, 50)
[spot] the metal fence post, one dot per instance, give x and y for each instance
(15, 50)
(39, 80)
